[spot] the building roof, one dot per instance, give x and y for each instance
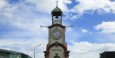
(12, 52)
(109, 52)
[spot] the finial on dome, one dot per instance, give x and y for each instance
(57, 3)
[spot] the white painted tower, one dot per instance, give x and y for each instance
(56, 47)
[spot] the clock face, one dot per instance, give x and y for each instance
(56, 34)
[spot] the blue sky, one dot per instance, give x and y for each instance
(93, 21)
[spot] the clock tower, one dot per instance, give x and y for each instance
(56, 47)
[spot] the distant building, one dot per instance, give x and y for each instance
(108, 54)
(12, 54)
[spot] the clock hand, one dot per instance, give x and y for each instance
(57, 33)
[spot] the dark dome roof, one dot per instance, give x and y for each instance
(56, 10)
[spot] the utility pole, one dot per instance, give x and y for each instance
(35, 49)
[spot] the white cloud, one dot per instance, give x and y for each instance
(106, 27)
(27, 48)
(77, 49)
(25, 21)
(46, 6)
(24, 31)
(89, 50)
(101, 6)
(84, 30)
(2, 3)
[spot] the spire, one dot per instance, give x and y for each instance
(57, 3)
